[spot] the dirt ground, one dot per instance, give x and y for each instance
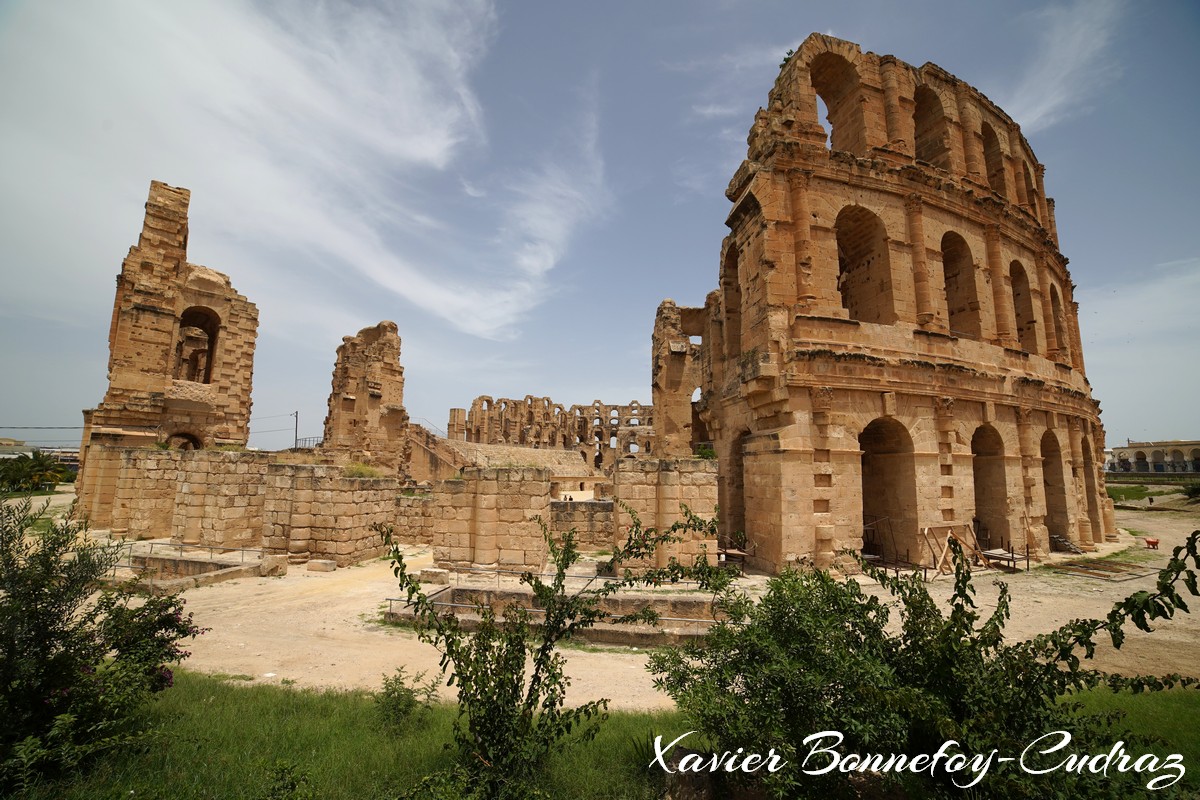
(316, 629)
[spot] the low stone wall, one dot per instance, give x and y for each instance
(144, 495)
(490, 517)
(414, 518)
(315, 512)
(220, 497)
(592, 521)
(655, 489)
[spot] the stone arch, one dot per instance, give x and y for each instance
(991, 487)
(836, 82)
(1140, 464)
(1054, 485)
(1060, 326)
(1022, 297)
(932, 132)
(182, 440)
(962, 291)
(993, 159)
(1031, 192)
(1158, 461)
(196, 345)
(1178, 462)
(889, 487)
(864, 266)
(1195, 459)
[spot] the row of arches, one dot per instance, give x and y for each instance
(1157, 461)
(845, 106)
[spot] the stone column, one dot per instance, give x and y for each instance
(1084, 524)
(1031, 480)
(893, 115)
(926, 316)
(1001, 296)
(802, 239)
(972, 144)
(1053, 346)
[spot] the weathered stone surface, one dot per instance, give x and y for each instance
(321, 565)
(274, 566)
(893, 345)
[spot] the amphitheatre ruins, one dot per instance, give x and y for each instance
(891, 355)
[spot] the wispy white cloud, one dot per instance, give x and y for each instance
(715, 110)
(311, 134)
(1073, 62)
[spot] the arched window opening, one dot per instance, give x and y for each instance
(1178, 462)
(183, 441)
(993, 159)
(1140, 464)
(731, 293)
(1023, 307)
(1054, 485)
(1195, 457)
(1060, 326)
(932, 132)
(889, 492)
(836, 82)
(864, 269)
(962, 294)
(196, 347)
(991, 488)
(1159, 461)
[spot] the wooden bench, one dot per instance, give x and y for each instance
(1007, 557)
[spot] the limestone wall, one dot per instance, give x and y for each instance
(414, 518)
(490, 518)
(654, 489)
(144, 496)
(315, 512)
(219, 498)
(592, 520)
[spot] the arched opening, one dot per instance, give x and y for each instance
(183, 441)
(196, 347)
(991, 488)
(835, 80)
(1092, 490)
(962, 297)
(1158, 461)
(1140, 464)
(1023, 307)
(733, 505)
(1054, 484)
(931, 130)
(889, 489)
(1178, 462)
(864, 269)
(993, 159)
(1195, 457)
(731, 296)
(1060, 326)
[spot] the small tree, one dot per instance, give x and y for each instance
(814, 654)
(74, 665)
(509, 672)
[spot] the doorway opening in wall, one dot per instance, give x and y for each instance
(991, 489)
(1054, 484)
(183, 441)
(889, 489)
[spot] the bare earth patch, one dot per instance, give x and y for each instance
(323, 629)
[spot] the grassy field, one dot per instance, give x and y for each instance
(219, 738)
(1122, 494)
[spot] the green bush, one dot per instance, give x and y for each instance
(815, 654)
(509, 671)
(401, 697)
(1192, 490)
(28, 473)
(74, 666)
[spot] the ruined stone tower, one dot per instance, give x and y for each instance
(181, 355)
(893, 349)
(366, 416)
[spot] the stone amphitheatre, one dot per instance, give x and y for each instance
(890, 357)
(892, 349)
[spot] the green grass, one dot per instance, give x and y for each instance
(1171, 716)
(218, 739)
(1123, 494)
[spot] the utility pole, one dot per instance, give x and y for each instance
(296, 436)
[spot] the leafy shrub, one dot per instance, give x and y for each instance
(509, 673)
(74, 667)
(1192, 490)
(29, 473)
(403, 696)
(815, 654)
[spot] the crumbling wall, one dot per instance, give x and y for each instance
(654, 489)
(366, 417)
(676, 376)
(144, 496)
(594, 522)
(181, 353)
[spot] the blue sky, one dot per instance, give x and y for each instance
(518, 184)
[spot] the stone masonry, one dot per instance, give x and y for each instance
(893, 347)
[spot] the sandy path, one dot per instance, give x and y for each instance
(321, 629)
